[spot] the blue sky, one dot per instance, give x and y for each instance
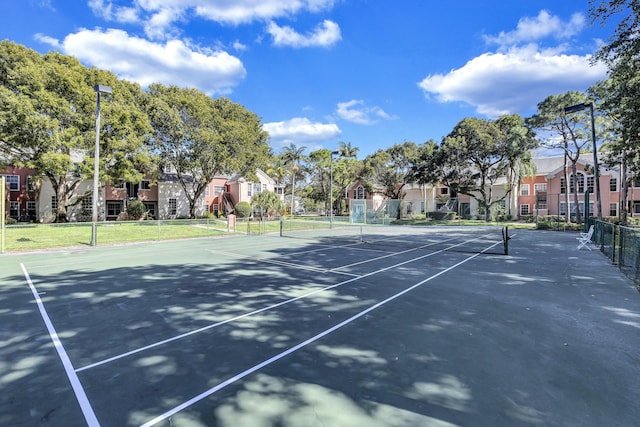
(370, 72)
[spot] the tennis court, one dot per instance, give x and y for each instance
(424, 326)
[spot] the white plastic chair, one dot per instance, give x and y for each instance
(585, 238)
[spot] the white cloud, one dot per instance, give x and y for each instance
(159, 16)
(244, 11)
(145, 62)
(300, 130)
(513, 81)
(326, 34)
(520, 74)
(110, 12)
(354, 111)
(542, 26)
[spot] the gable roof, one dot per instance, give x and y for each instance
(551, 166)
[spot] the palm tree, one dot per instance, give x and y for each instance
(277, 170)
(292, 156)
(347, 151)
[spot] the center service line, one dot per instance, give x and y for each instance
(297, 347)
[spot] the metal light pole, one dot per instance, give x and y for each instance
(331, 188)
(580, 107)
(99, 89)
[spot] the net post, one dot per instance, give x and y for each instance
(505, 239)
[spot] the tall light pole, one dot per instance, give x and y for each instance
(99, 89)
(333, 153)
(580, 107)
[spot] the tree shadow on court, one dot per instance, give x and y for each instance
(482, 345)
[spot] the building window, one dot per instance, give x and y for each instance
(264, 187)
(173, 207)
(249, 189)
(31, 209)
(87, 203)
(540, 188)
(29, 183)
(216, 207)
(360, 192)
(524, 190)
(613, 184)
(613, 209)
(14, 209)
(524, 210)
(13, 181)
(590, 181)
(541, 200)
(580, 181)
(207, 191)
(150, 208)
(563, 186)
(114, 208)
(54, 202)
(217, 190)
(145, 184)
(444, 191)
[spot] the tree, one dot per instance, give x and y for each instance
(267, 202)
(277, 170)
(426, 169)
(478, 153)
(47, 111)
(292, 156)
(622, 145)
(391, 168)
(519, 140)
(573, 130)
(347, 151)
(345, 172)
(318, 166)
(200, 138)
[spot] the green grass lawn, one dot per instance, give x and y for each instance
(45, 236)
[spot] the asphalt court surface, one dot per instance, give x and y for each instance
(273, 331)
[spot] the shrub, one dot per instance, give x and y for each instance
(243, 210)
(136, 209)
(441, 216)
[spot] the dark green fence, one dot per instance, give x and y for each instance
(621, 245)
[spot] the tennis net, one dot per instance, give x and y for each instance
(395, 238)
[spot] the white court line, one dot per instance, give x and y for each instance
(303, 344)
(87, 410)
(242, 316)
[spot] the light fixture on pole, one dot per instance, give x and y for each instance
(99, 89)
(580, 107)
(333, 153)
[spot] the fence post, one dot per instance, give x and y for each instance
(3, 228)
